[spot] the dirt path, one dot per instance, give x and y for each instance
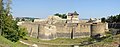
(33, 45)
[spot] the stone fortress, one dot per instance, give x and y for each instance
(56, 27)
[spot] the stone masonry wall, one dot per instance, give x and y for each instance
(63, 30)
(99, 28)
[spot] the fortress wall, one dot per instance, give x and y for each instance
(98, 28)
(47, 37)
(82, 30)
(77, 28)
(34, 32)
(47, 32)
(63, 35)
(81, 34)
(85, 27)
(27, 26)
(63, 30)
(31, 28)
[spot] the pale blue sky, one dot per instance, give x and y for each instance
(86, 8)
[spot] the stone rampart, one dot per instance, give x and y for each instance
(63, 30)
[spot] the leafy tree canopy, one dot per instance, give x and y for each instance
(112, 19)
(8, 27)
(64, 16)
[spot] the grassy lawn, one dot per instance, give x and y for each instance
(7, 43)
(18, 44)
(4, 42)
(107, 42)
(58, 41)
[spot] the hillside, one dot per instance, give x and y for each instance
(7, 43)
(112, 41)
(108, 41)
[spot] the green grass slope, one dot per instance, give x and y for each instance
(7, 43)
(112, 41)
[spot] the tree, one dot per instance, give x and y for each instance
(23, 19)
(64, 16)
(9, 27)
(103, 20)
(32, 20)
(22, 32)
(112, 19)
(118, 18)
(57, 14)
(17, 19)
(1, 9)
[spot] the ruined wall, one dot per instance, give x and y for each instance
(98, 28)
(47, 32)
(63, 30)
(82, 30)
(32, 29)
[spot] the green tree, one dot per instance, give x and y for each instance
(112, 19)
(118, 18)
(17, 19)
(9, 27)
(1, 9)
(64, 16)
(22, 32)
(103, 20)
(23, 19)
